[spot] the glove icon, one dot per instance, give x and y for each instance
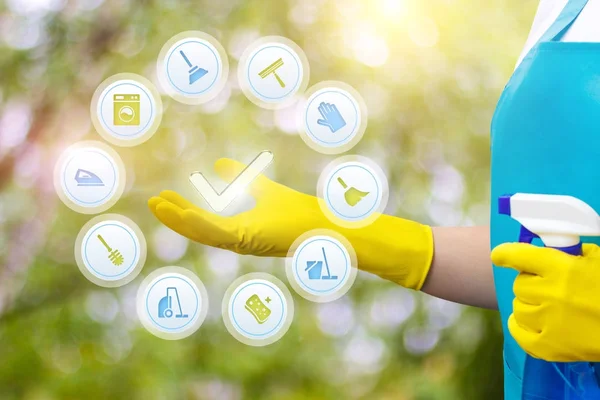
(331, 117)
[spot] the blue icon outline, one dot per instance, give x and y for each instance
(97, 202)
(232, 313)
(348, 137)
(89, 265)
(340, 282)
(218, 68)
(192, 318)
(358, 217)
(141, 130)
(293, 87)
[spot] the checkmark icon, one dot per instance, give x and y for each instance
(219, 201)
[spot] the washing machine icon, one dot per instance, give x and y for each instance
(126, 109)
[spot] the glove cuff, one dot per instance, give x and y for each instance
(427, 256)
(395, 249)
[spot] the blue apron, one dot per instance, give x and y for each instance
(546, 139)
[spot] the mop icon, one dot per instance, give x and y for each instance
(315, 269)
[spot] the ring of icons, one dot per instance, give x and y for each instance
(192, 68)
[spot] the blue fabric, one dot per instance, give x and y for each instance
(546, 139)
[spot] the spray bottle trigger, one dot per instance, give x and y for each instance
(526, 236)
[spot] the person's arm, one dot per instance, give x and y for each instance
(450, 263)
(461, 270)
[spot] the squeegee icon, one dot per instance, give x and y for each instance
(272, 69)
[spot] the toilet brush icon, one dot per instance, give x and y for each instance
(115, 255)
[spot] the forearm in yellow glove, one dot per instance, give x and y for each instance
(393, 248)
(556, 311)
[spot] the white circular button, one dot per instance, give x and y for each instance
(89, 177)
(172, 303)
(110, 250)
(332, 118)
(321, 265)
(126, 109)
(192, 67)
(273, 71)
(257, 309)
(354, 191)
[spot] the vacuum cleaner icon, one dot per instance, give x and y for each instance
(165, 305)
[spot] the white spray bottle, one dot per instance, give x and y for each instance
(559, 221)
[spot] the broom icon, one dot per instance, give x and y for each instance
(114, 256)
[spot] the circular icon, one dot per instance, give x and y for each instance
(172, 303)
(192, 67)
(257, 309)
(126, 109)
(273, 71)
(89, 177)
(110, 250)
(321, 265)
(332, 118)
(353, 191)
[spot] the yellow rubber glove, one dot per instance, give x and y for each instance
(393, 248)
(556, 311)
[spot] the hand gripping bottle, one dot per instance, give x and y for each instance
(559, 222)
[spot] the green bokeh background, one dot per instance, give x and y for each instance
(430, 72)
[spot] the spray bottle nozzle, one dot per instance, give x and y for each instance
(504, 204)
(559, 221)
(526, 236)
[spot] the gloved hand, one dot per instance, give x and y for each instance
(556, 311)
(393, 248)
